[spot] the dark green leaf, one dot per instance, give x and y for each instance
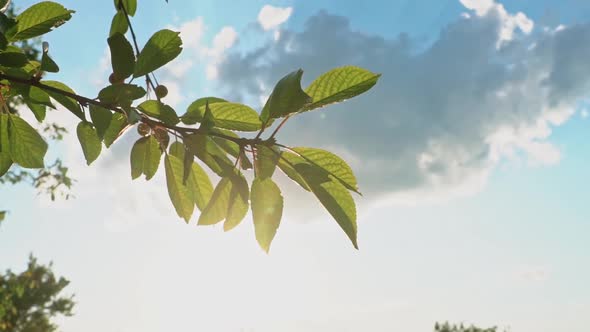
(119, 24)
(163, 47)
(332, 164)
(340, 84)
(267, 210)
(27, 147)
(13, 59)
(158, 110)
(145, 157)
(286, 98)
(121, 94)
(5, 159)
(89, 141)
(101, 118)
(3, 41)
(67, 102)
(193, 113)
(47, 64)
(115, 129)
(180, 195)
(122, 56)
(38, 20)
(129, 5)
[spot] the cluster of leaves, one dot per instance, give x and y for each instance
(446, 327)
(53, 180)
(29, 300)
(205, 135)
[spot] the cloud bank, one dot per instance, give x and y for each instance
(489, 89)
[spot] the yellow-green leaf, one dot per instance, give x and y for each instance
(39, 19)
(115, 129)
(286, 98)
(158, 110)
(217, 208)
(163, 47)
(340, 84)
(226, 115)
(267, 210)
(180, 195)
(332, 164)
(145, 157)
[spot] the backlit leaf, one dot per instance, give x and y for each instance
(122, 56)
(286, 98)
(180, 195)
(194, 113)
(340, 84)
(115, 129)
(27, 147)
(89, 140)
(332, 164)
(267, 210)
(158, 110)
(163, 47)
(67, 102)
(145, 157)
(39, 19)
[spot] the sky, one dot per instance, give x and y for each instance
(471, 152)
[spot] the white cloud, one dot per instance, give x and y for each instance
(223, 41)
(192, 32)
(440, 120)
(272, 17)
(584, 114)
(509, 22)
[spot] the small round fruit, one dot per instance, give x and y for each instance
(114, 79)
(161, 91)
(162, 136)
(143, 129)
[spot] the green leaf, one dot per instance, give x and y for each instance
(331, 193)
(119, 24)
(67, 102)
(217, 208)
(89, 141)
(332, 164)
(198, 180)
(121, 94)
(39, 111)
(204, 148)
(163, 47)
(158, 110)
(27, 147)
(286, 98)
(194, 114)
(267, 210)
(47, 63)
(180, 195)
(3, 41)
(130, 6)
(116, 127)
(5, 159)
(13, 59)
(238, 202)
(340, 84)
(226, 115)
(145, 157)
(122, 56)
(266, 162)
(287, 167)
(2, 215)
(38, 20)
(101, 118)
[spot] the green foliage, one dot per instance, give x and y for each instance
(145, 157)
(31, 299)
(163, 47)
(205, 135)
(89, 140)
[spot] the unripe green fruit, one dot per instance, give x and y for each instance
(161, 91)
(143, 129)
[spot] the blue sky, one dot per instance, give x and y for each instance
(471, 153)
